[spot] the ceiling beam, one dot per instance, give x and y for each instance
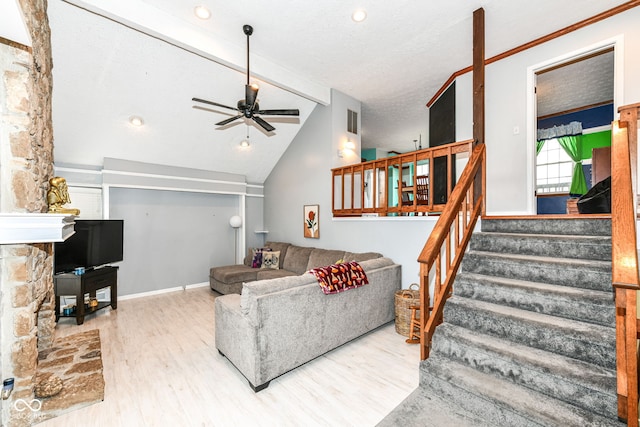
(141, 16)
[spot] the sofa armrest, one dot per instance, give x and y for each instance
(235, 337)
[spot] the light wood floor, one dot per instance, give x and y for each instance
(161, 368)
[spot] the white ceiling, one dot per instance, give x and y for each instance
(393, 62)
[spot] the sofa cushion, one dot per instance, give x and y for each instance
(297, 259)
(372, 264)
(271, 260)
(234, 273)
(251, 291)
(268, 273)
(279, 246)
(323, 257)
(359, 257)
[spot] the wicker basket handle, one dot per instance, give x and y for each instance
(407, 293)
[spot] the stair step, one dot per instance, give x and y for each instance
(500, 402)
(571, 303)
(573, 381)
(579, 340)
(423, 405)
(582, 247)
(528, 337)
(542, 225)
(589, 274)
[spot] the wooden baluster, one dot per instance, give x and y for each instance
(458, 231)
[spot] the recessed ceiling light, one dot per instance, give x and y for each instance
(136, 120)
(359, 15)
(202, 12)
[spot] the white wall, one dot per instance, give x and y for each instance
(509, 157)
(464, 107)
(340, 103)
(303, 176)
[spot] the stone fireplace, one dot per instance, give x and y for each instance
(26, 163)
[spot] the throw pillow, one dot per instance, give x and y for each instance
(256, 262)
(271, 259)
(340, 277)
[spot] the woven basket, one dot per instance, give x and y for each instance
(404, 299)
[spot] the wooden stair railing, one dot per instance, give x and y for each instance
(369, 188)
(444, 249)
(625, 278)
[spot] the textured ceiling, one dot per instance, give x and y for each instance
(579, 84)
(393, 62)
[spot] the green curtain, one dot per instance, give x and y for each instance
(539, 145)
(572, 145)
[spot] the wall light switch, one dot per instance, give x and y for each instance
(516, 130)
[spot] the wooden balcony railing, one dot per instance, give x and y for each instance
(443, 251)
(399, 185)
(625, 278)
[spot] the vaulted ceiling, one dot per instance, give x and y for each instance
(118, 58)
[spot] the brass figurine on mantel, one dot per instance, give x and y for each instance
(58, 195)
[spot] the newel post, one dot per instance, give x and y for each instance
(478, 98)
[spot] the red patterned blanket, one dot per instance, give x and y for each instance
(340, 277)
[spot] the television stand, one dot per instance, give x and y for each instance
(88, 283)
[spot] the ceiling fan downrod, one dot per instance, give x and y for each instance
(248, 30)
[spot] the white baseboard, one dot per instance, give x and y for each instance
(197, 285)
(163, 291)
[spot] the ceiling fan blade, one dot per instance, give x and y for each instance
(227, 121)
(250, 95)
(204, 101)
(264, 125)
(279, 112)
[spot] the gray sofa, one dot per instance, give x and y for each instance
(279, 324)
(294, 260)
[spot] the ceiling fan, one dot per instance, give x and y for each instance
(248, 107)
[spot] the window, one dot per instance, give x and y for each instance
(554, 169)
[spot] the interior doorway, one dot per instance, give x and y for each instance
(574, 106)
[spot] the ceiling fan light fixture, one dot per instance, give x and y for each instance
(136, 121)
(202, 12)
(359, 15)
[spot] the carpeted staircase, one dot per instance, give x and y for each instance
(528, 337)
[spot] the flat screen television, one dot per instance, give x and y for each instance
(94, 243)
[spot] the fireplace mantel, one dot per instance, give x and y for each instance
(17, 228)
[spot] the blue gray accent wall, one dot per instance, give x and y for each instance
(171, 238)
(176, 219)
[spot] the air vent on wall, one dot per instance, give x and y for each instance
(352, 122)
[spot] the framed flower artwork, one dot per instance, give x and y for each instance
(311, 221)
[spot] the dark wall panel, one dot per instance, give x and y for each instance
(442, 130)
(442, 118)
